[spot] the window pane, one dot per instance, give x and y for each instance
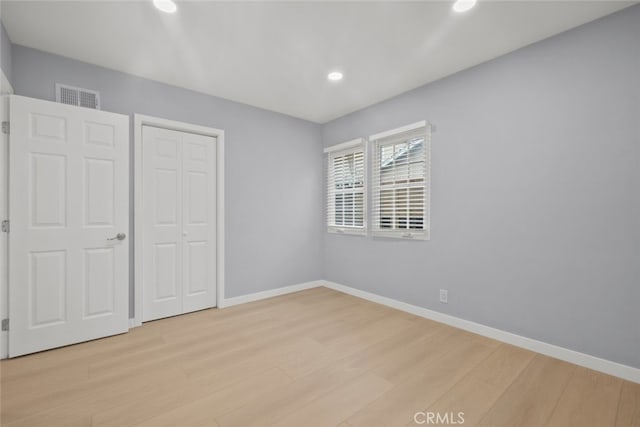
(402, 172)
(346, 186)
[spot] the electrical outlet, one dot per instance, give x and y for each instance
(444, 296)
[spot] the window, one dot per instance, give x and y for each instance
(401, 182)
(346, 189)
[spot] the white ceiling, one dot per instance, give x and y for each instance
(276, 55)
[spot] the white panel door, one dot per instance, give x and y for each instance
(162, 234)
(198, 222)
(69, 187)
(178, 192)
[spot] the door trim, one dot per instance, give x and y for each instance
(139, 121)
(5, 90)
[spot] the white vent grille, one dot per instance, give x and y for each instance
(77, 96)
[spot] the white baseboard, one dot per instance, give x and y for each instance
(242, 299)
(581, 359)
(134, 323)
(4, 349)
(597, 364)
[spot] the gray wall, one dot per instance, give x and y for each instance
(272, 170)
(535, 194)
(6, 54)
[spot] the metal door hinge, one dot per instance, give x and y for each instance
(5, 324)
(5, 226)
(5, 127)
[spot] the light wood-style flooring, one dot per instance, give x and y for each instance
(313, 358)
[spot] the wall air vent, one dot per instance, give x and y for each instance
(77, 96)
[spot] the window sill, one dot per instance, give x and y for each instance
(348, 231)
(405, 235)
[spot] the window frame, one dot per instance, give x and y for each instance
(346, 148)
(392, 137)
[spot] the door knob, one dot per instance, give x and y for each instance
(119, 236)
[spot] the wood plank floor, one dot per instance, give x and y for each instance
(313, 358)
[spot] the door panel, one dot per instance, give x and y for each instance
(47, 195)
(196, 198)
(47, 288)
(100, 286)
(69, 186)
(196, 271)
(166, 194)
(166, 277)
(48, 128)
(99, 183)
(100, 134)
(178, 191)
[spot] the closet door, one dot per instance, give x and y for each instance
(179, 242)
(199, 222)
(162, 233)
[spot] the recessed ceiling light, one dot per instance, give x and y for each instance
(167, 6)
(463, 5)
(334, 76)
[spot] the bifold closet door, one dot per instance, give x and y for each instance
(69, 213)
(179, 242)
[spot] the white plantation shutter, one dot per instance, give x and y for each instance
(346, 189)
(401, 182)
